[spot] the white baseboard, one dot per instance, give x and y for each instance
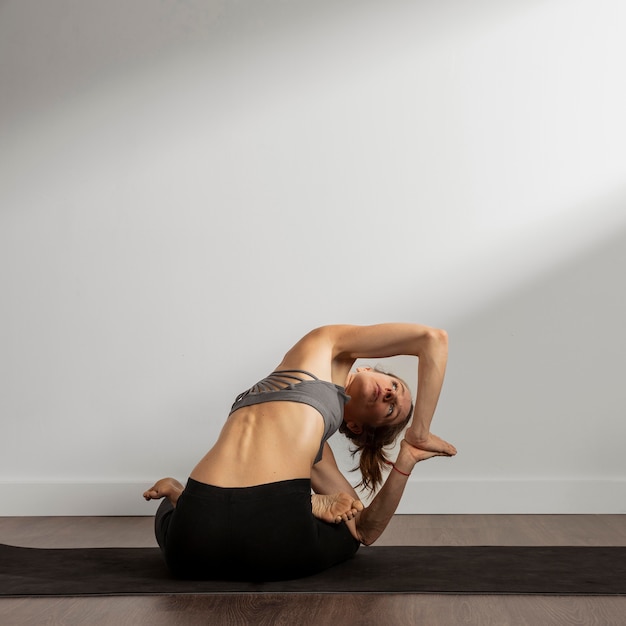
(514, 496)
(35, 499)
(601, 496)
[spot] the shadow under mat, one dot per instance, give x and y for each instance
(555, 570)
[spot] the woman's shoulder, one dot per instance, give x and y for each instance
(316, 353)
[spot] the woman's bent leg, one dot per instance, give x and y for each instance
(266, 532)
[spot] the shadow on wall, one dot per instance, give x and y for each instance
(535, 383)
(80, 43)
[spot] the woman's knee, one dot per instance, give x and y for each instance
(162, 521)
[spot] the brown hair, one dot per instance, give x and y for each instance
(370, 444)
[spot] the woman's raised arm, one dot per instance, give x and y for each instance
(429, 345)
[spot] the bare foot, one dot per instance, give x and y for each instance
(168, 488)
(335, 508)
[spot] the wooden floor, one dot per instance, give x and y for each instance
(325, 609)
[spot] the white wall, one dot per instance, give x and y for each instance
(188, 187)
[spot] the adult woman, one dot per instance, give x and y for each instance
(247, 511)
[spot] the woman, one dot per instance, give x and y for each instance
(247, 512)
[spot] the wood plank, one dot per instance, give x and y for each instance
(506, 530)
(575, 530)
(374, 609)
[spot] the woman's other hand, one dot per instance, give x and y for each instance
(431, 443)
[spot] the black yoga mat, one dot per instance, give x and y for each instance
(386, 569)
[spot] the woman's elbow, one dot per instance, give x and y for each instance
(436, 340)
(367, 536)
(368, 541)
(439, 335)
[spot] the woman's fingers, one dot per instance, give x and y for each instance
(432, 443)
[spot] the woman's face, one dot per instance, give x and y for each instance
(376, 399)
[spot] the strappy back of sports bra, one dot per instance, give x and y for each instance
(303, 387)
(278, 381)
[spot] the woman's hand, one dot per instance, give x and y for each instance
(410, 455)
(430, 443)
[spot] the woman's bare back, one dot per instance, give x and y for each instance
(263, 443)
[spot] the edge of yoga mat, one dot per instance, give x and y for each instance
(459, 570)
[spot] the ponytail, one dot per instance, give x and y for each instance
(370, 444)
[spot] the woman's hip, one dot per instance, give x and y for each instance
(263, 532)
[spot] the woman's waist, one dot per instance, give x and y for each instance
(279, 488)
(229, 467)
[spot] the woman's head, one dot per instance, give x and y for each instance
(379, 409)
(377, 398)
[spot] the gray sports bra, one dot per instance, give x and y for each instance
(293, 386)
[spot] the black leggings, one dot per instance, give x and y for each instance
(266, 532)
